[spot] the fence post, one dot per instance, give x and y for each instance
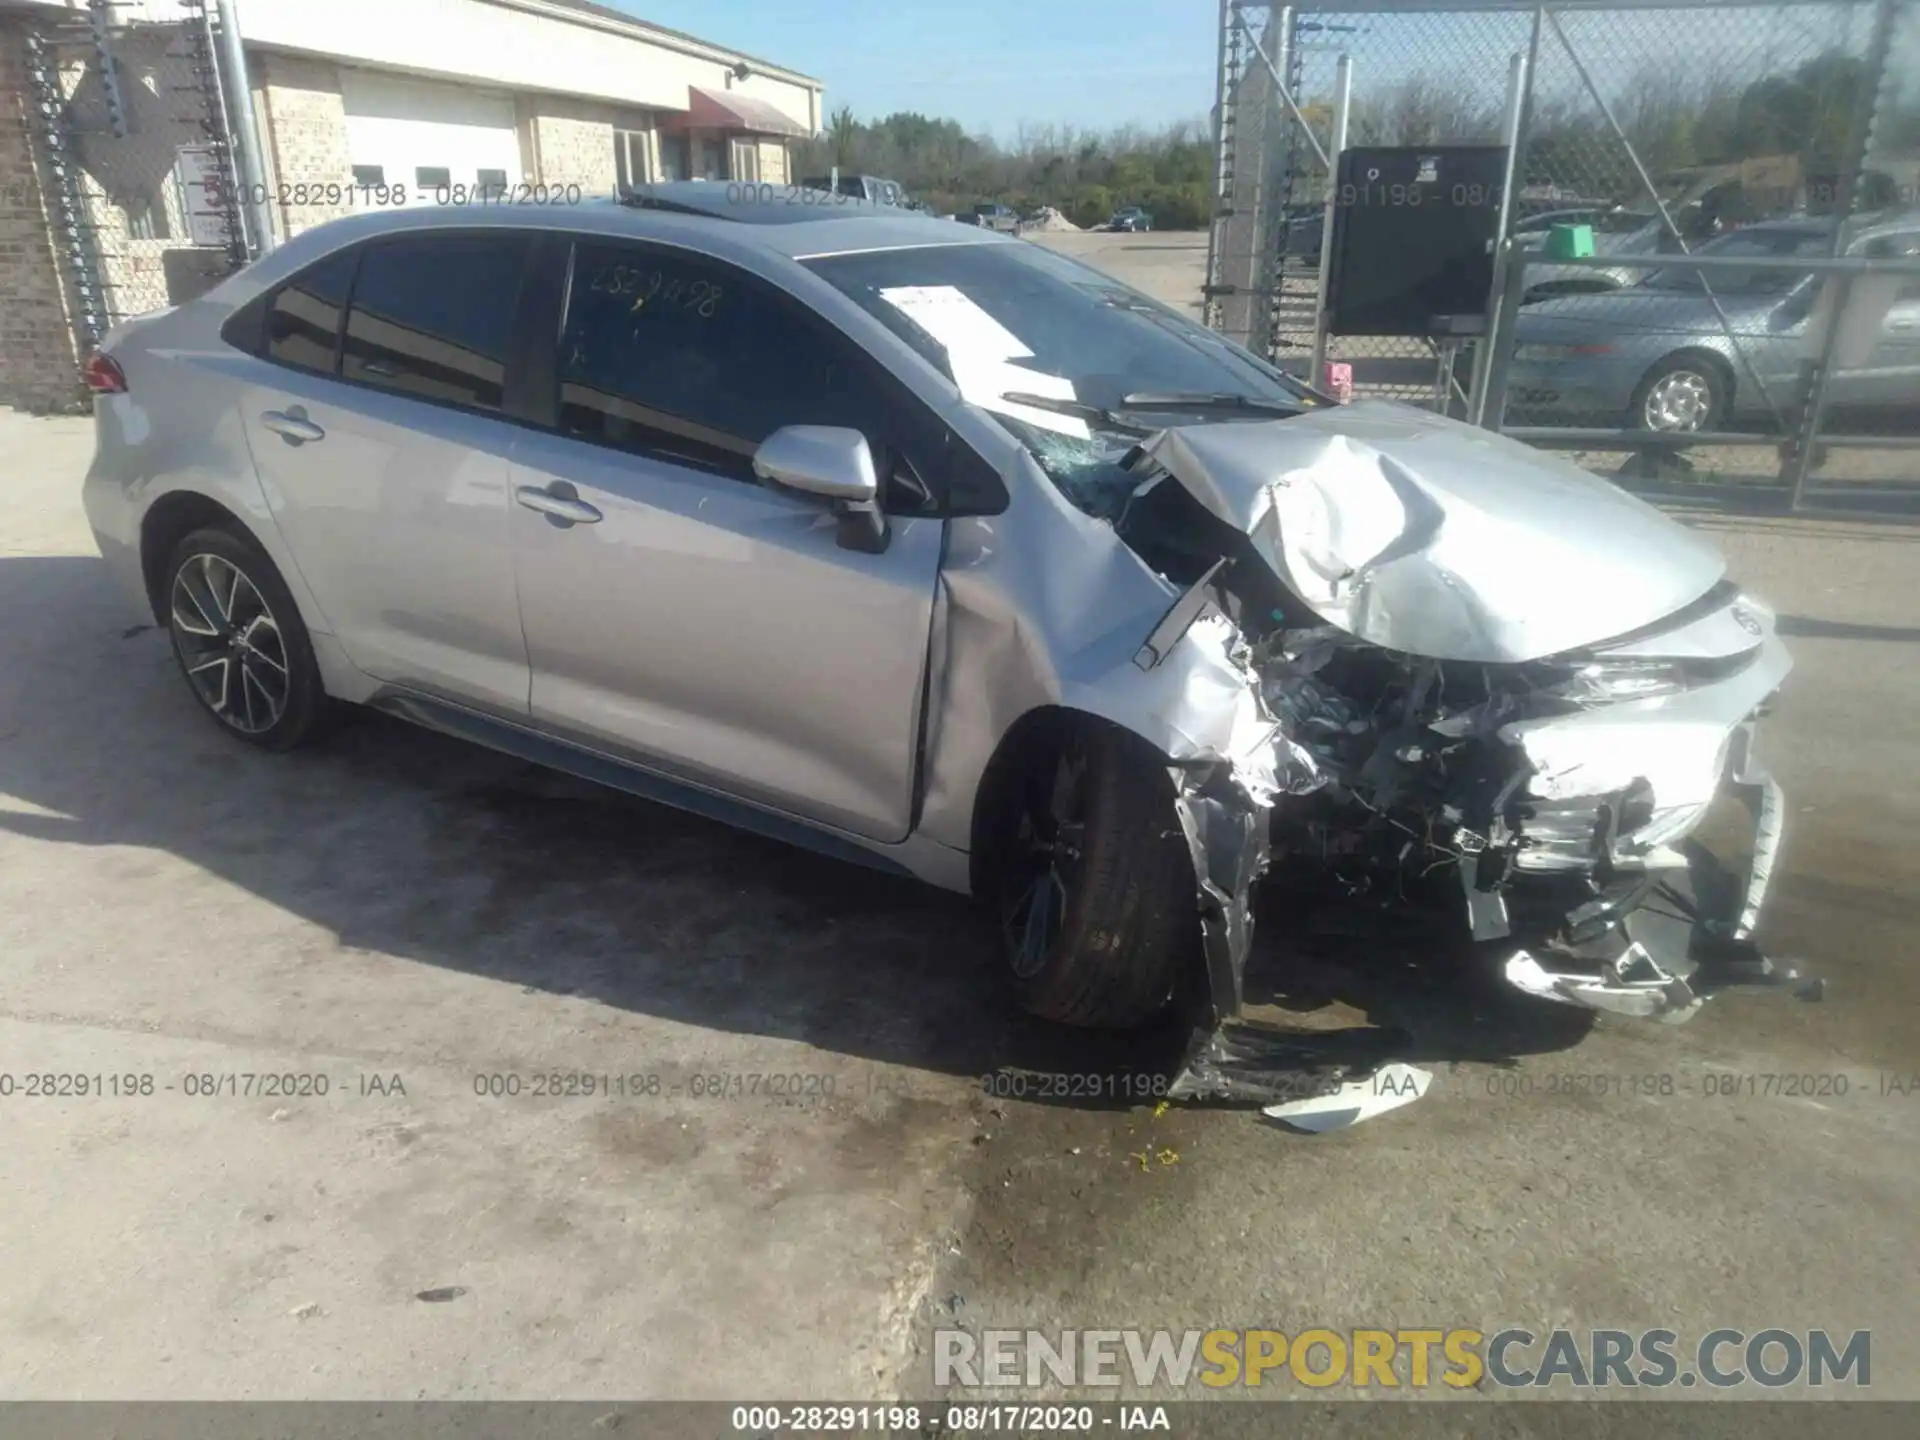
(1342, 100)
(1280, 82)
(1223, 128)
(244, 133)
(1519, 82)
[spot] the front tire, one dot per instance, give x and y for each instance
(1681, 395)
(1094, 887)
(239, 640)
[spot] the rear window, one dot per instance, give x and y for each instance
(432, 315)
(303, 318)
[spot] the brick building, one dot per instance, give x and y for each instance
(357, 102)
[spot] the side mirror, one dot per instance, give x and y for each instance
(836, 465)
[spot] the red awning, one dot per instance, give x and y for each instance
(731, 110)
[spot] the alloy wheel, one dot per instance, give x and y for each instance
(1048, 850)
(1680, 400)
(230, 644)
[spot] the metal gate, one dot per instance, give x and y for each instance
(1661, 123)
(134, 150)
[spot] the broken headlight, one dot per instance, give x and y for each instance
(1610, 682)
(1599, 680)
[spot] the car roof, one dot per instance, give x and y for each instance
(781, 220)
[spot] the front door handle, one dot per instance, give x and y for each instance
(292, 425)
(569, 509)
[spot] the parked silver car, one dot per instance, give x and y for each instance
(943, 553)
(1656, 356)
(1624, 234)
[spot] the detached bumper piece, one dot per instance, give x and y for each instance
(1648, 962)
(1632, 985)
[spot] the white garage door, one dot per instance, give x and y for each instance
(423, 135)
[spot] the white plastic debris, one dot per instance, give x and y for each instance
(1388, 1088)
(1635, 985)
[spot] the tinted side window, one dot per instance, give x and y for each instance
(432, 315)
(303, 318)
(681, 356)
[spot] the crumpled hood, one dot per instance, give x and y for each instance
(1423, 535)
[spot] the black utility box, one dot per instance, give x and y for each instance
(1413, 231)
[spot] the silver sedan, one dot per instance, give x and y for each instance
(1657, 356)
(945, 554)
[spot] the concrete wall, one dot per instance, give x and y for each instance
(571, 141)
(305, 132)
(38, 359)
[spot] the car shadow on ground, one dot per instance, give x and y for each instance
(406, 843)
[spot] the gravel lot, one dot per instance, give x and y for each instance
(399, 907)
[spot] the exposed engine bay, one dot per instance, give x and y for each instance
(1429, 727)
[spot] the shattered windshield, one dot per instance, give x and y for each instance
(1097, 364)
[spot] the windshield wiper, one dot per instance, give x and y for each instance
(1079, 410)
(1217, 400)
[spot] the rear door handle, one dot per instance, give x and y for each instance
(568, 508)
(292, 425)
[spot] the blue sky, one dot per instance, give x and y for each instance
(986, 63)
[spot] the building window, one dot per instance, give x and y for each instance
(743, 160)
(493, 184)
(632, 164)
(674, 164)
(369, 177)
(147, 218)
(433, 177)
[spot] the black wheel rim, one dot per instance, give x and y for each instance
(1048, 850)
(230, 644)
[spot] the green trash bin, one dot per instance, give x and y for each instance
(1569, 242)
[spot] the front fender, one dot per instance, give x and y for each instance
(1042, 606)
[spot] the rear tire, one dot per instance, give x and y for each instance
(1093, 883)
(240, 642)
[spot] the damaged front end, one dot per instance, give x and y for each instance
(1487, 672)
(1555, 795)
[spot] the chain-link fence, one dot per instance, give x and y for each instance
(133, 153)
(1749, 127)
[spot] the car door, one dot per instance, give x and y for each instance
(375, 425)
(688, 616)
(1889, 375)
